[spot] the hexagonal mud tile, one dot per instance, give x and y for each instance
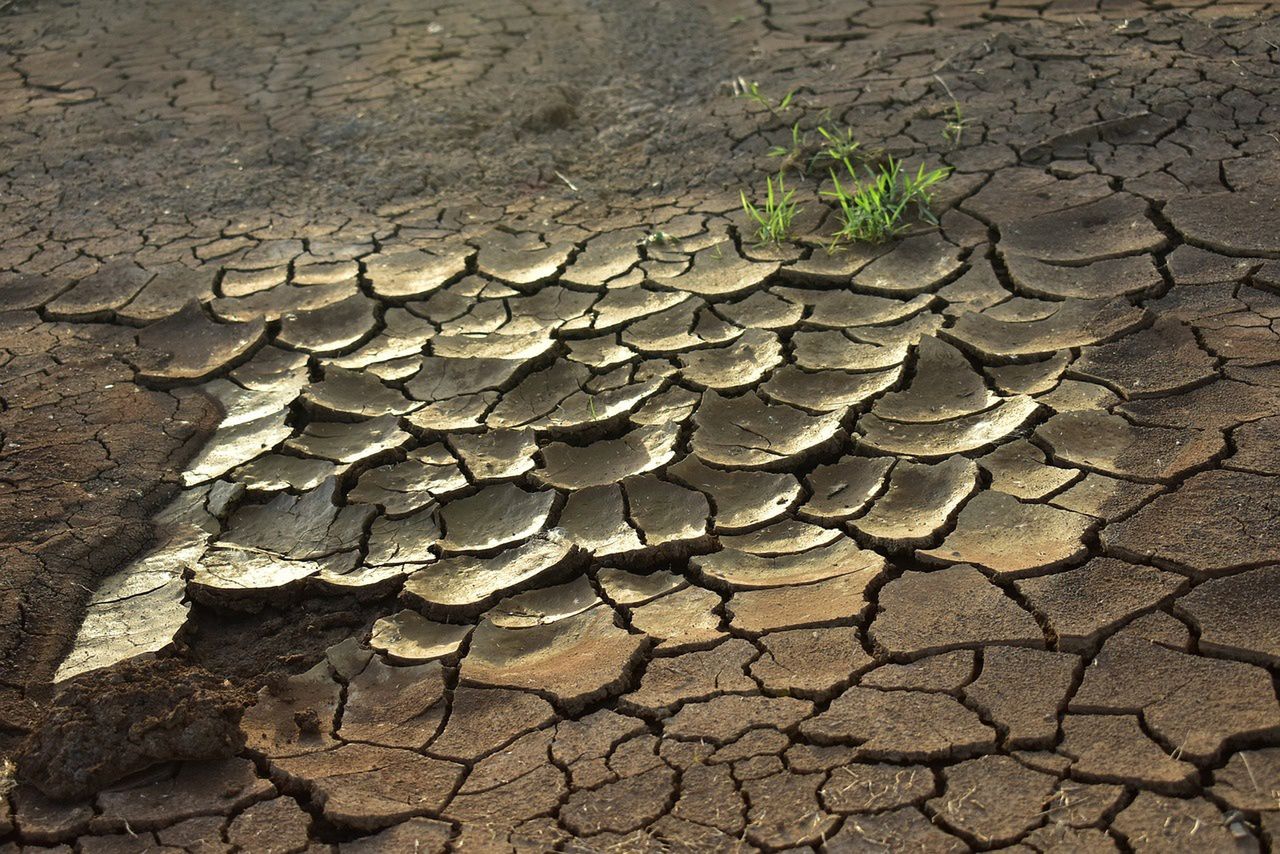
(901, 726)
(930, 612)
(996, 531)
(577, 660)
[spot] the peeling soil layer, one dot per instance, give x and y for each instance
(405, 445)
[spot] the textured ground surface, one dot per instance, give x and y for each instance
(406, 373)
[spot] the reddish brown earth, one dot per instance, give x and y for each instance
(410, 374)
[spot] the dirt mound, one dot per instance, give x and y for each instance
(111, 723)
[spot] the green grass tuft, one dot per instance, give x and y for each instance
(878, 209)
(840, 146)
(773, 221)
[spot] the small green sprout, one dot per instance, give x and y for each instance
(792, 152)
(773, 222)
(876, 210)
(840, 145)
(751, 91)
(659, 238)
(953, 129)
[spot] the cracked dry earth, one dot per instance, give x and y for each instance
(375, 480)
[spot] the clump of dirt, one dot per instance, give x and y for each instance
(282, 639)
(114, 722)
(552, 109)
